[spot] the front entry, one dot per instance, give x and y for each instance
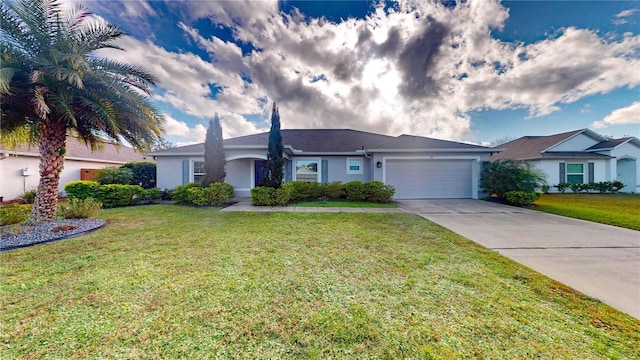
(260, 171)
(627, 174)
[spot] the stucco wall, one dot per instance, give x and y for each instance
(577, 143)
(551, 170)
(627, 151)
(169, 172)
(13, 184)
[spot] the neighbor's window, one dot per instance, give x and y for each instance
(575, 173)
(198, 171)
(354, 166)
(307, 170)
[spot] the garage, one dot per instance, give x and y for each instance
(430, 179)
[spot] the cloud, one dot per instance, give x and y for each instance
(620, 18)
(187, 134)
(419, 67)
(625, 115)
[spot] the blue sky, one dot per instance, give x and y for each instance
(475, 71)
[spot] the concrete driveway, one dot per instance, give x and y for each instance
(598, 260)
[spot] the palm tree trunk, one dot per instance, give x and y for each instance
(52, 147)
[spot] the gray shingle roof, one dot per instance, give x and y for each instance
(331, 141)
(609, 144)
(79, 150)
(530, 147)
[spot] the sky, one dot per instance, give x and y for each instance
(472, 71)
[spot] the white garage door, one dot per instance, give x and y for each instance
(430, 179)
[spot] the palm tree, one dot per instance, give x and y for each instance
(52, 81)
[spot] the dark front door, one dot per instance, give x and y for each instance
(260, 171)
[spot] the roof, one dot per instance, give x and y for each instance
(330, 141)
(612, 143)
(537, 147)
(77, 150)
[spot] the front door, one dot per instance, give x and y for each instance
(260, 171)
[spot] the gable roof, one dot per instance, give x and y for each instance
(540, 147)
(613, 143)
(331, 141)
(77, 150)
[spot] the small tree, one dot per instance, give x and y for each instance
(144, 173)
(502, 176)
(213, 154)
(275, 159)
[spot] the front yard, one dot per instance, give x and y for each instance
(613, 209)
(167, 281)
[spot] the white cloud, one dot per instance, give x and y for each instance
(419, 68)
(625, 115)
(180, 129)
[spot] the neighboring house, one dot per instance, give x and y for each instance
(580, 156)
(19, 167)
(418, 167)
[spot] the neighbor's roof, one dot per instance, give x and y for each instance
(329, 141)
(536, 147)
(612, 143)
(77, 150)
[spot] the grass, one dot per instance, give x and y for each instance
(611, 209)
(343, 203)
(167, 281)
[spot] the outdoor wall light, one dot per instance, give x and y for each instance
(379, 164)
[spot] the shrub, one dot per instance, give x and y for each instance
(218, 194)
(263, 196)
(14, 214)
(300, 190)
(283, 194)
(114, 175)
(602, 187)
(562, 187)
(520, 198)
(81, 189)
(545, 188)
(114, 195)
(355, 191)
(181, 192)
(616, 186)
(576, 188)
(28, 197)
(501, 176)
(317, 190)
(144, 173)
(152, 195)
(335, 190)
(80, 208)
(379, 192)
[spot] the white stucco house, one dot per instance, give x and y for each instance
(579, 156)
(19, 167)
(418, 167)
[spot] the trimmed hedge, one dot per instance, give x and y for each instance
(521, 198)
(292, 191)
(216, 194)
(110, 195)
(601, 187)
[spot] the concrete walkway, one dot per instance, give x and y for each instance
(246, 206)
(598, 260)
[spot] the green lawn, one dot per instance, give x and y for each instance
(342, 203)
(613, 209)
(168, 281)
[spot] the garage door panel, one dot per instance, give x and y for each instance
(430, 179)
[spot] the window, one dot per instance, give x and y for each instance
(354, 166)
(198, 171)
(575, 173)
(307, 170)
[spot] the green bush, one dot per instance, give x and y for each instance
(545, 188)
(616, 186)
(300, 190)
(14, 214)
(144, 173)
(355, 191)
(501, 176)
(263, 196)
(520, 198)
(379, 192)
(317, 190)
(114, 175)
(335, 190)
(283, 194)
(576, 188)
(181, 192)
(152, 195)
(28, 197)
(80, 208)
(81, 189)
(115, 195)
(562, 187)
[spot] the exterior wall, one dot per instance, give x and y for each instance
(338, 169)
(169, 172)
(240, 174)
(626, 151)
(577, 143)
(13, 184)
(551, 170)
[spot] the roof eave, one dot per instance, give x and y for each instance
(437, 150)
